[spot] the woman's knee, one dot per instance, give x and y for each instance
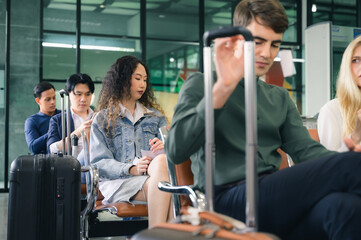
(158, 164)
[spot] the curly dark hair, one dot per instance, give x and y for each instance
(116, 87)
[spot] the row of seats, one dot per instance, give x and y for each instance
(133, 217)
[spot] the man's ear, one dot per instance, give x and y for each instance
(37, 100)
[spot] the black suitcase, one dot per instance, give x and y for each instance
(44, 198)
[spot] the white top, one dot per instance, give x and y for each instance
(329, 126)
(139, 112)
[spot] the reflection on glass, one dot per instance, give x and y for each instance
(176, 20)
(111, 49)
(120, 18)
(59, 15)
(2, 93)
(291, 10)
(170, 63)
(343, 13)
(218, 14)
(58, 56)
(2, 121)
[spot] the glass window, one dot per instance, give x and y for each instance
(59, 59)
(172, 49)
(345, 19)
(291, 33)
(170, 63)
(2, 92)
(111, 17)
(339, 12)
(218, 14)
(106, 49)
(24, 71)
(59, 15)
(176, 20)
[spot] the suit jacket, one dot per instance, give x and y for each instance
(55, 128)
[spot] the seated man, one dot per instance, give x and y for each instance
(319, 197)
(36, 126)
(81, 89)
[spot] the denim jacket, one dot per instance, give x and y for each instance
(113, 151)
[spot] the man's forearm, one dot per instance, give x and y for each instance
(221, 93)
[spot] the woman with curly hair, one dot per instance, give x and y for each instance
(128, 124)
(341, 117)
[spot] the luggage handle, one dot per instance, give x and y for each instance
(63, 92)
(226, 32)
(251, 120)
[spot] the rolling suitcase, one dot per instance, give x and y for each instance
(208, 224)
(44, 198)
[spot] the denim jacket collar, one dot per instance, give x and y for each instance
(140, 111)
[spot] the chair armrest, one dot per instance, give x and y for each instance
(197, 198)
(92, 188)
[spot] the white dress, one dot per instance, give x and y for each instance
(329, 126)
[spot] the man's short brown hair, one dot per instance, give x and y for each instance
(268, 13)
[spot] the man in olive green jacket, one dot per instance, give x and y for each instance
(318, 198)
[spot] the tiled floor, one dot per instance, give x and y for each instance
(4, 197)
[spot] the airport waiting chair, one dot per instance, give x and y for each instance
(286, 160)
(107, 220)
(181, 180)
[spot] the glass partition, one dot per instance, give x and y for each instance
(58, 57)
(59, 15)
(218, 14)
(290, 36)
(99, 53)
(2, 92)
(121, 18)
(175, 20)
(24, 72)
(170, 63)
(343, 13)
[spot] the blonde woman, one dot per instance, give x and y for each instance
(341, 117)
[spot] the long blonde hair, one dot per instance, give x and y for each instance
(348, 92)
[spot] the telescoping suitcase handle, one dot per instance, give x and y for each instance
(63, 92)
(251, 119)
(226, 32)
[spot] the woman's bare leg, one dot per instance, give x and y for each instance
(159, 207)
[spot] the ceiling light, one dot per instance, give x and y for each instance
(314, 8)
(58, 45)
(89, 47)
